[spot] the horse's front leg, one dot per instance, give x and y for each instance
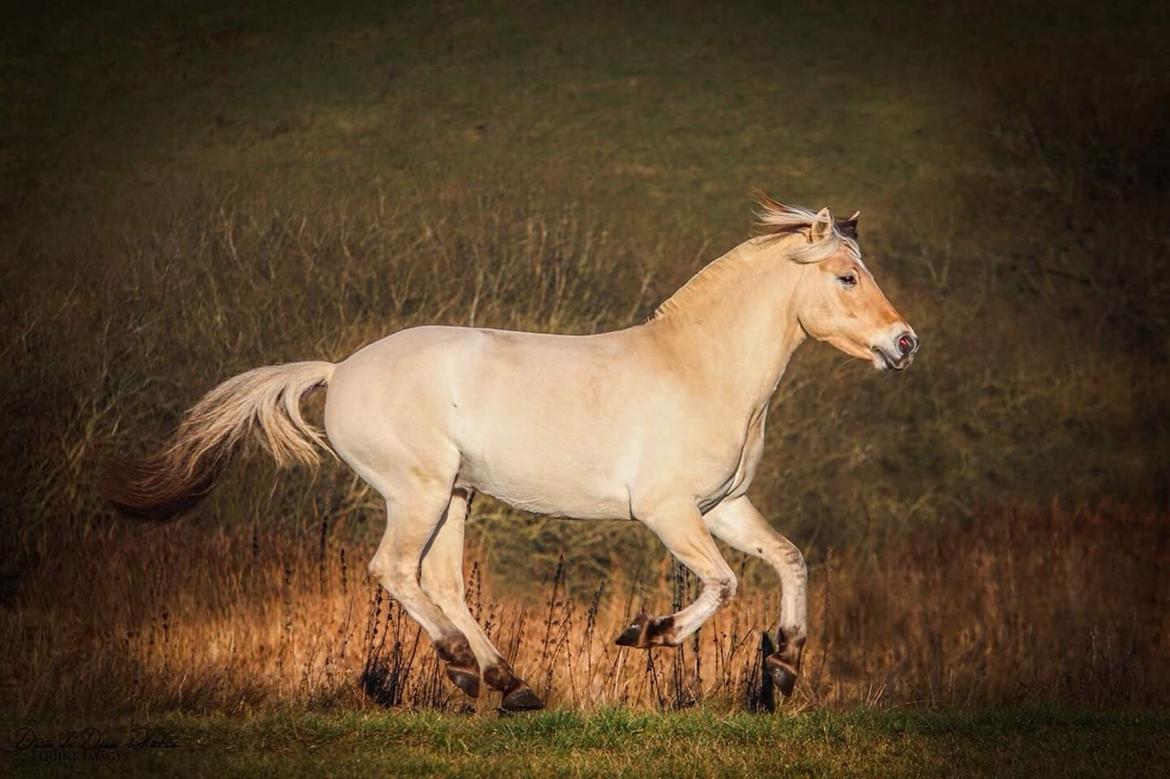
(680, 526)
(740, 525)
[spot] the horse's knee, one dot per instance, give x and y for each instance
(724, 587)
(793, 561)
(397, 579)
(441, 589)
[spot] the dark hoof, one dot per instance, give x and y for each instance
(520, 699)
(783, 675)
(465, 680)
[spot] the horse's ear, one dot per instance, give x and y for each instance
(823, 225)
(848, 227)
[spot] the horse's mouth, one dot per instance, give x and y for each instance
(884, 361)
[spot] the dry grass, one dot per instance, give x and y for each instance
(1039, 606)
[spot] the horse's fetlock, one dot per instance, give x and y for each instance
(455, 650)
(518, 696)
(661, 631)
(645, 632)
(790, 643)
(501, 677)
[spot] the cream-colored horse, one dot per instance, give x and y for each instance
(662, 422)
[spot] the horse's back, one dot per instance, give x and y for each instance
(543, 421)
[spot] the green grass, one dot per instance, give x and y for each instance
(1007, 742)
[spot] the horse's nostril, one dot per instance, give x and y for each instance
(906, 343)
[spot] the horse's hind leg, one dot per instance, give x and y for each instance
(739, 524)
(442, 580)
(413, 514)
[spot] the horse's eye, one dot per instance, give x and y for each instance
(849, 280)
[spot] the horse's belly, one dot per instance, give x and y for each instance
(548, 424)
(548, 484)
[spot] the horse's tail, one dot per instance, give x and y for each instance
(264, 400)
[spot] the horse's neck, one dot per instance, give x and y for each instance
(741, 331)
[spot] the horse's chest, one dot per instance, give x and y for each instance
(738, 477)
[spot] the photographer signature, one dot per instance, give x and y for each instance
(94, 739)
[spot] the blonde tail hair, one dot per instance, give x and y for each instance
(265, 401)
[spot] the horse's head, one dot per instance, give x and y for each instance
(838, 300)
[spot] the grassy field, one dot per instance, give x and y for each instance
(1020, 742)
(188, 193)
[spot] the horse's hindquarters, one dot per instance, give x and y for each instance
(387, 412)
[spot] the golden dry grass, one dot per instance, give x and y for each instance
(1040, 606)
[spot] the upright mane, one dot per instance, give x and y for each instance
(774, 221)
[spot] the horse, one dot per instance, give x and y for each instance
(662, 422)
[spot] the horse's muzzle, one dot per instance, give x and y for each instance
(900, 356)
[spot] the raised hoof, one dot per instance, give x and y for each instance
(644, 633)
(465, 680)
(520, 699)
(783, 675)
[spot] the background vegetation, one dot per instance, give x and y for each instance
(190, 193)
